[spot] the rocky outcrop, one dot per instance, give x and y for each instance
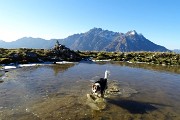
(61, 52)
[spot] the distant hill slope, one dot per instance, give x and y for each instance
(176, 51)
(95, 39)
(28, 42)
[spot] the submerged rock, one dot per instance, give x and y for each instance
(121, 89)
(96, 103)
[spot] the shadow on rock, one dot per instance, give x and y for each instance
(133, 107)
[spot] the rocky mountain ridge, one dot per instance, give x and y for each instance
(95, 39)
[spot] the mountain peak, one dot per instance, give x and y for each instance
(132, 32)
(95, 29)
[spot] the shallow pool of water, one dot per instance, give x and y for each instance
(59, 92)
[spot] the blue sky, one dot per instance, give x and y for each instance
(157, 20)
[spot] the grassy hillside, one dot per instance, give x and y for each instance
(43, 55)
(22, 55)
(164, 58)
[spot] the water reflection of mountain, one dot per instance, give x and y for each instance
(61, 68)
(1, 73)
(173, 69)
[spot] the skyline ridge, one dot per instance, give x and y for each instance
(94, 28)
(95, 39)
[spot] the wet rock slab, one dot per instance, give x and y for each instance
(118, 88)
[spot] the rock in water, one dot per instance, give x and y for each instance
(95, 103)
(119, 88)
(93, 106)
(91, 98)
